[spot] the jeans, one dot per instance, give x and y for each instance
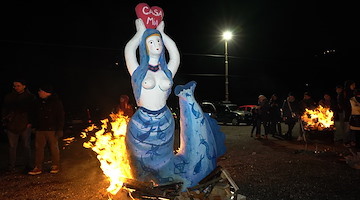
(275, 127)
(25, 140)
(290, 124)
(344, 128)
(41, 139)
(258, 127)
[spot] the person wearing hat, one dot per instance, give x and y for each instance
(49, 127)
(17, 116)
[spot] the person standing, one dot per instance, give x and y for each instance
(275, 115)
(328, 102)
(17, 116)
(290, 114)
(124, 106)
(306, 103)
(263, 110)
(49, 128)
(354, 120)
(254, 112)
(339, 111)
(349, 90)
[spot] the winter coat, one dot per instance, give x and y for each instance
(290, 114)
(348, 94)
(50, 115)
(340, 100)
(264, 110)
(18, 111)
(275, 110)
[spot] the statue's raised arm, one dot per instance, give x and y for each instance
(174, 60)
(132, 45)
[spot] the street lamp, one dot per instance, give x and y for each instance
(227, 35)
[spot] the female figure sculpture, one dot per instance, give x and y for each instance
(150, 134)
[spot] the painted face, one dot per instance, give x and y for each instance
(154, 45)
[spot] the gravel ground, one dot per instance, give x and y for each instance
(262, 169)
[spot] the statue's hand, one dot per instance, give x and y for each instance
(161, 27)
(140, 26)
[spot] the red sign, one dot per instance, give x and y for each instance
(151, 16)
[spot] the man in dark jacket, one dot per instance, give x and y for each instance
(17, 116)
(49, 127)
(290, 114)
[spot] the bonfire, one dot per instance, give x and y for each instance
(109, 144)
(318, 119)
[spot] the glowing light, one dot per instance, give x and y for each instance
(227, 35)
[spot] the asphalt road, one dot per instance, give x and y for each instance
(262, 169)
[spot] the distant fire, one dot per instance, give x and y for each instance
(318, 119)
(109, 144)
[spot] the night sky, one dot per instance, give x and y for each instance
(278, 46)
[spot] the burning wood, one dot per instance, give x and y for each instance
(318, 119)
(147, 190)
(217, 185)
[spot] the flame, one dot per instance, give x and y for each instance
(319, 119)
(111, 149)
(68, 141)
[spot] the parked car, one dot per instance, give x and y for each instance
(209, 108)
(247, 107)
(226, 113)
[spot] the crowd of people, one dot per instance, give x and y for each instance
(270, 113)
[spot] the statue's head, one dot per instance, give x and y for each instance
(151, 45)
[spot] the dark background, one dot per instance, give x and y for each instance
(278, 47)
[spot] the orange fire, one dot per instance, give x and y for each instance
(318, 119)
(111, 149)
